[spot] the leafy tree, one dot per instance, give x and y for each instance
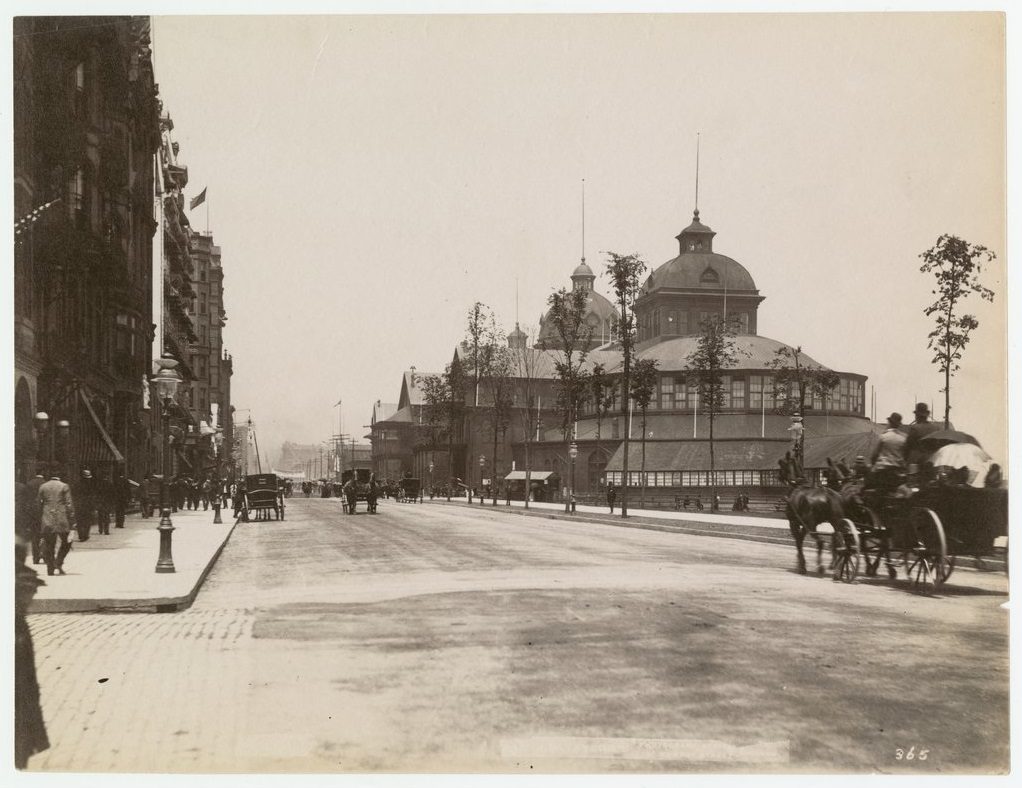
(715, 351)
(795, 380)
(480, 333)
(624, 272)
(524, 361)
(500, 384)
(567, 313)
(445, 406)
(644, 378)
(601, 394)
(956, 265)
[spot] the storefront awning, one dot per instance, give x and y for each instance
(536, 476)
(118, 457)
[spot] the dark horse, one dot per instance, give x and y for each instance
(807, 507)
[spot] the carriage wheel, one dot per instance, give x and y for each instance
(931, 545)
(846, 548)
(921, 573)
(872, 538)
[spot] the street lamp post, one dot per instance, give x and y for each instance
(431, 480)
(572, 453)
(482, 466)
(166, 380)
(45, 439)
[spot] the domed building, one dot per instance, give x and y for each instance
(600, 314)
(752, 431)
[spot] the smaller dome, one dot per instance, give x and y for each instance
(583, 270)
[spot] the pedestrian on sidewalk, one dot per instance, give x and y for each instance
(145, 501)
(58, 517)
(611, 497)
(35, 514)
(122, 495)
(29, 726)
(85, 503)
(104, 503)
(207, 490)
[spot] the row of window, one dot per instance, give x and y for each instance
(682, 322)
(696, 478)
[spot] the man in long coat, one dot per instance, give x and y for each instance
(58, 517)
(84, 496)
(35, 514)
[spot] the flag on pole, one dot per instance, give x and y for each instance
(196, 201)
(338, 402)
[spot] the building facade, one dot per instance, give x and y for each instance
(669, 451)
(86, 128)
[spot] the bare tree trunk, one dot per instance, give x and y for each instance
(713, 468)
(493, 473)
(642, 472)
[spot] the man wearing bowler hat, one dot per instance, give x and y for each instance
(919, 429)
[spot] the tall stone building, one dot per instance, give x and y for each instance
(208, 393)
(86, 126)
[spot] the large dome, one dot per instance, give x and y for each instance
(700, 270)
(698, 267)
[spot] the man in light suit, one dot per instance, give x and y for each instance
(58, 517)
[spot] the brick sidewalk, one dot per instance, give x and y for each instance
(119, 570)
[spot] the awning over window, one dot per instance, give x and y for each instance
(536, 476)
(107, 440)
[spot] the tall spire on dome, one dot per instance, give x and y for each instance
(697, 237)
(583, 220)
(696, 212)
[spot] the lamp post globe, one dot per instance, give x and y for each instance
(166, 381)
(41, 423)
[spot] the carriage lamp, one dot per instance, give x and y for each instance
(166, 382)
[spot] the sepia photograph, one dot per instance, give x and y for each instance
(565, 390)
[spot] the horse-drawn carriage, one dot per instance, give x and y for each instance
(359, 485)
(410, 489)
(263, 493)
(928, 527)
(923, 526)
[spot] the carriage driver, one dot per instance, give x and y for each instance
(888, 457)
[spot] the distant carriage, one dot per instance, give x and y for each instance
(359, 485)
(263, 494)
(410, 489)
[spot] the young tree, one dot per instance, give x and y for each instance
(500, 384)
(715, 352)
(445, 405)
(601, 394)
(478, 343)
(624, 272)
(567, 313)
(956, 265)
(524, 362)
(644, 378)
(795, 380)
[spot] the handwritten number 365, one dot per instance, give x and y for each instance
(910, 754)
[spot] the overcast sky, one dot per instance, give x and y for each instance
(369, 178)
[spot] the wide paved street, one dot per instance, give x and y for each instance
(438, 638)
